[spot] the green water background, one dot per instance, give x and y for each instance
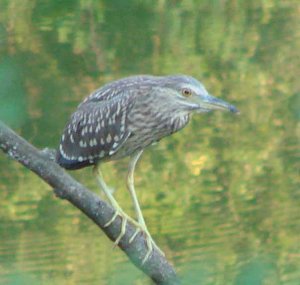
(221, 197)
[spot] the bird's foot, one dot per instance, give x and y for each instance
(125, 218)
(139, 228)
(149, 241)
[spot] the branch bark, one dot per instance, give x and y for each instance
(66, 187)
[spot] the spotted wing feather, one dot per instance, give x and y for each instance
(95, 132)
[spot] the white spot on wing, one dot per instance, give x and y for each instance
(82, 143)
(98, 128)
(115, 145)
(118, 108)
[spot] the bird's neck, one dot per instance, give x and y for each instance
(178, 122)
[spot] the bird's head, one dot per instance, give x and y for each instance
(191, 94)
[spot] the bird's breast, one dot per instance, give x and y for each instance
(144, 132)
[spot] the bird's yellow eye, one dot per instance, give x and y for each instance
(186, 92)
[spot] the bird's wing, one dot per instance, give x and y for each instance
(95, 131)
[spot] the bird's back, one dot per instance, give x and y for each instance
(117, 87)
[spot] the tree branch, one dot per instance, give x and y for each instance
(66, 187)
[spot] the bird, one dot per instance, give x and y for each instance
(124, 117)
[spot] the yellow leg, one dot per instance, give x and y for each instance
(115, 205)
(142, 225)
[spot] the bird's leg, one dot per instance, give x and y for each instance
(118, 210)
(142, 225)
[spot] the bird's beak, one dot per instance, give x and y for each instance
(210, 103)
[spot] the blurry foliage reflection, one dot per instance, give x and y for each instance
(221, 197)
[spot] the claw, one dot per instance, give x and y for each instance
(134, 235)
(149, 241)
(150, 244)
(112, 219)
(150, 249)
(123, 230)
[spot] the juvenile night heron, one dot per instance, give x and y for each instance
(124, 117)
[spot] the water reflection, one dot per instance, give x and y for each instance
(221, 197)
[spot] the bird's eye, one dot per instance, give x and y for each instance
(186, 92)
